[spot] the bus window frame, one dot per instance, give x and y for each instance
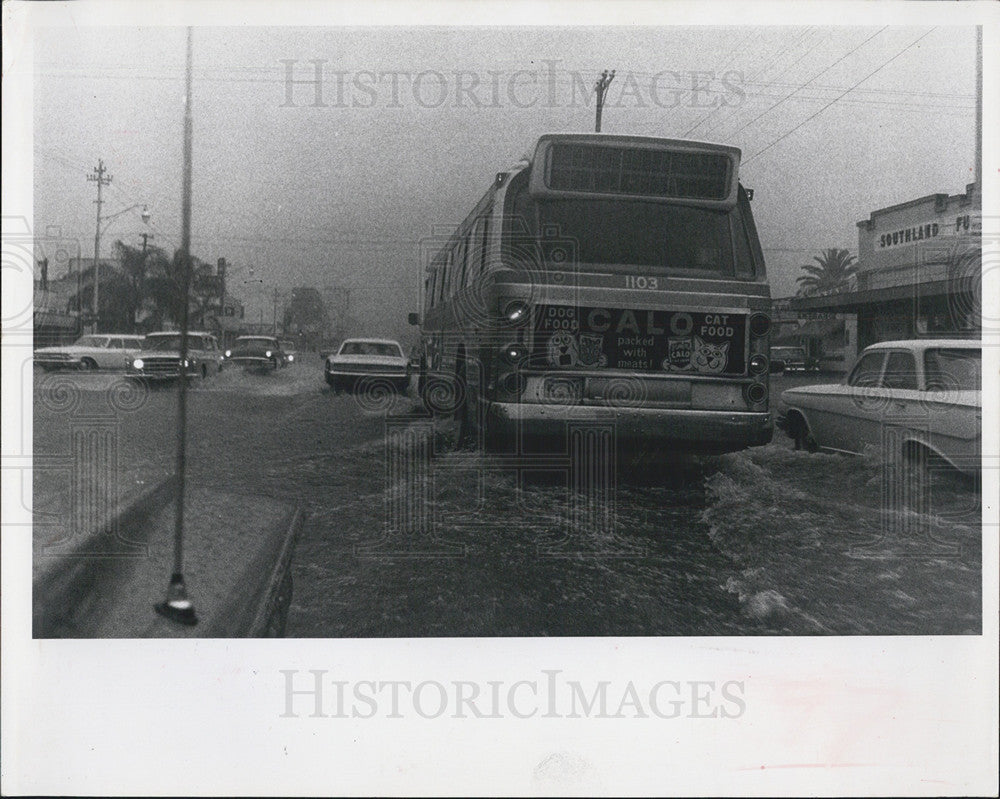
(484, 241)
(461, 251)
(476, 265)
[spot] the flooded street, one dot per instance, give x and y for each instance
(405, 536)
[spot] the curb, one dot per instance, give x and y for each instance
(267, 616)
(64, 586)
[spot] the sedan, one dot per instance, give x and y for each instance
(107, 351)
(915, 400)
(257, 353)
(792, 359)
(369, 359)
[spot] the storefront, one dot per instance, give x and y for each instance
(919, 271)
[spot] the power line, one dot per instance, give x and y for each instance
(835, 99)
(715, 110)
(823, 72)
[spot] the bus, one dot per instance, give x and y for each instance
(604, 280)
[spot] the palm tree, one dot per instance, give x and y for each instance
(832, 272)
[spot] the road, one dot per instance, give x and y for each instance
(406, 537)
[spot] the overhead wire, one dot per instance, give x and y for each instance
(879, 68)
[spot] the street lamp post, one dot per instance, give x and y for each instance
(145, 216)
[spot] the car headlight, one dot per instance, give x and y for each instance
(229, 353)
(137, 363)
(267, 354)
(291, 358)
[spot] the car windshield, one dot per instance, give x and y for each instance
(370, 348)
(788, 352)
(171, 342)
(953, 369)
(244, 343)
(91, 341)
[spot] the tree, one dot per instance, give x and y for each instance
(114, 297)
(142, 269)
(306, 312)
(833, 271)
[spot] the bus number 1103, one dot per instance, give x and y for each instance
(637, 282)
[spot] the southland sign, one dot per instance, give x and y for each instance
(962, 224)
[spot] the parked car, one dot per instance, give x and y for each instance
(290, 348)
(921, 399)
(372, 358)
(97, 351)
(792, 359)
(257, 353)
(160, 357)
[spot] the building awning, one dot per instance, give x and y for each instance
(821, 328)
(854, 300)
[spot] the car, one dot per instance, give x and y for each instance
(290, 348)
(918, 400)
(369, 359)
(160, 357)
(95, 351)
(792, 359)
(257, 353)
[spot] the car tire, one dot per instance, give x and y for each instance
(801, 435)
(88, 364)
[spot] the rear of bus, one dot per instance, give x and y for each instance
(632, 293)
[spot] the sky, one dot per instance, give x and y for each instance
(414, 123)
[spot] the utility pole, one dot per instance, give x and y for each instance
(137, 281)
(601, 87)
(220, 270)
(274, 314)
(98, 176)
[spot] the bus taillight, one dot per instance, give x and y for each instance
(516, 312)
(760, 324)
(756, 393)
(510, 386)
(758, 364)
(512, 353)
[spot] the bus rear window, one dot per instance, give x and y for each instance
(654, 236)
(638, 171)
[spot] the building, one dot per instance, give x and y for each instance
(227, 322)
(56, 319)
(830, 338)
(919, 271)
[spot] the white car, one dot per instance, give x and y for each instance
(97, 351)
(915, 400)
(372, 359)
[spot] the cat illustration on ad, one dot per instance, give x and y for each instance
(709, 358)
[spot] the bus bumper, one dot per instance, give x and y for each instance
(690, 430)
